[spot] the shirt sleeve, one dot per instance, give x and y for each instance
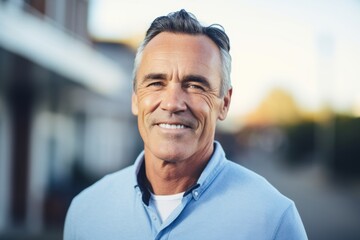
(290, 226)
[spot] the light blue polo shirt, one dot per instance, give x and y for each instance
(228, 202)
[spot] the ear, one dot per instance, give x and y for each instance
(134, 104)
(225, 105)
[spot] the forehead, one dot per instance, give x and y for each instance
(168, 40)
(184, 50)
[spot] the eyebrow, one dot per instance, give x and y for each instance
(152, 76)
(188, 78)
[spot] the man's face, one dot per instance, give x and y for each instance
(177, 96)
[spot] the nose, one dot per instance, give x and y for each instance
(173, 99)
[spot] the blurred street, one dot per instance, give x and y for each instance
(328, 211)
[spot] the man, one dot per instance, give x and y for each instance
(182, 186)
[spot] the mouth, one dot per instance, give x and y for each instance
(172, 126)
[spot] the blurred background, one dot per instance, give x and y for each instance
(65, 92)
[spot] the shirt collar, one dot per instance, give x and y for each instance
(212, 169)
(140, 178)
(210, 172)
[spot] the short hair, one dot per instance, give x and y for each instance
(185, 22)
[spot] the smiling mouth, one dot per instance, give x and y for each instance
(172, 126)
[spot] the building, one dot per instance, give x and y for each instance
(65, 116)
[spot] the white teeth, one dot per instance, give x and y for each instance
(171, 126)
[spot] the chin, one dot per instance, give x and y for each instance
(172, 153)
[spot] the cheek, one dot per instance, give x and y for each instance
(147, 102)
(206, 110)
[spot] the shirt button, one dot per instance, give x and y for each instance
(196, 194)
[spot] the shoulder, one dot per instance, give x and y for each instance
(250, 194)
(242, 181)
(107, 188)
(99, 203)
(250, 201)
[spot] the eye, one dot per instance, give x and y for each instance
(155, 84)
(195, 86)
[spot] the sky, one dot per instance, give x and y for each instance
(308, 48)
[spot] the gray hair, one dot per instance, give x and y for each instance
(184, 22)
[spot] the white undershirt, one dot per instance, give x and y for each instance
(166, 204)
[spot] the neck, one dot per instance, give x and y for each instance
(167, 177)
(170, 179)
